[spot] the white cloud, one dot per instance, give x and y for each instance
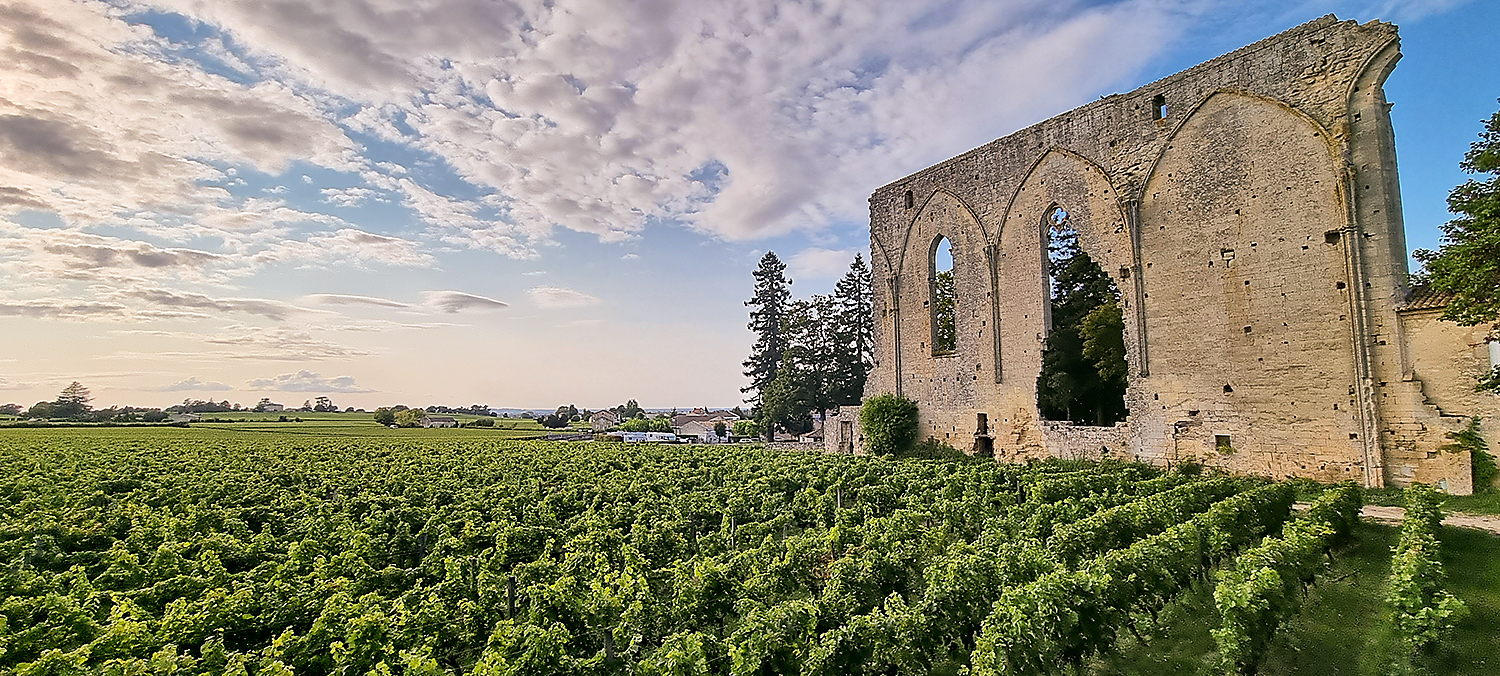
(742, 119)
(96, 122)
(552, 297)
(306, 381)
(458, 301)
(816, 263)
(358, 245)
(349, 197)
(349, 299)
(193, 384)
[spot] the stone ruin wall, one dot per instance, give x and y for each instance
(1249, 212)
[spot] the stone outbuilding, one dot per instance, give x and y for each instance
(1249, 212)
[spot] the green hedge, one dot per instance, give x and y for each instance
(889, 423)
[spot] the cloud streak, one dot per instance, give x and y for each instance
(552, 297)
(270, 309)
(349, 299)
(306, 381)
(193, 384)
(457, 301)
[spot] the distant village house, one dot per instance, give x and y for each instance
(603, 420)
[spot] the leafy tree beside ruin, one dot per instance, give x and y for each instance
(824, 347)
(788, 402)
(1467, 265)
(945, 339)
(1083, 364)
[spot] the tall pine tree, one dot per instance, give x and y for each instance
(853, 334)
(766, 320)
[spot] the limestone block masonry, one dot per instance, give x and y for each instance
(1248, 210)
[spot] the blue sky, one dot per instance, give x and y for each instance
(526, 203)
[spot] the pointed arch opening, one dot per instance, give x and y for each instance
(1083, 374)
(943, 298)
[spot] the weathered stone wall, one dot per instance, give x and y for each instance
(1444, 361)
(1249, 211)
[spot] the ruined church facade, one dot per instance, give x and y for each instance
(1248, 210)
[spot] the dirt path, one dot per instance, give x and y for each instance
(1394, 515)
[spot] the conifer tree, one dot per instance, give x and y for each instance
(854, 333)
(72, 401)
(770, 306)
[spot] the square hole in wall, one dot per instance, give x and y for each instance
(1221, 443)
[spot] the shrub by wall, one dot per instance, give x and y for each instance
(889, 423)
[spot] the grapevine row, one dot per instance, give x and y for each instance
(1067, 615)
(1423, 612)
(1265, 586)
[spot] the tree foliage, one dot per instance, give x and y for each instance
(72, 402)
(1103, 334)
(657, 424)
(746, 428)
(827, 343)
(411, 417)
(629, 409)
(385, 416)
(1073, 385)
(1481, 462)
(790, 399)
(889, 423)
(945, 335)
(767, 319)
(1467, 265)
(854, 335)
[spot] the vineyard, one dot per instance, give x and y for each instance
(200, 551)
